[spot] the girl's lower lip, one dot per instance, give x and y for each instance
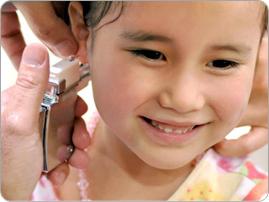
(163, 138)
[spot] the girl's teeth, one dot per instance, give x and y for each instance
(170, 130)
(178, 131)
(154, 123)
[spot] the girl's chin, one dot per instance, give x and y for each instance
(164, 162)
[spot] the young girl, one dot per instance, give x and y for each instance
(170, 80)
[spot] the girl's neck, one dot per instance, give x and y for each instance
(117, 173)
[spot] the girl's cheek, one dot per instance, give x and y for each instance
(116, 90)
(230, 101)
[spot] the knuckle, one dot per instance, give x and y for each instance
(26, 81)
(10, 123)
(14, 125)
(43, 33)
(5, 105)
(15, 121)
(246, 147)
(47, 31)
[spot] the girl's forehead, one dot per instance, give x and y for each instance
(184, 13)
(192, 11)
(195, 6)
(170, 17)
(197, 22)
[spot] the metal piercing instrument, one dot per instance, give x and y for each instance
(66, 78)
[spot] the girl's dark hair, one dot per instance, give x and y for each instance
(93, 11)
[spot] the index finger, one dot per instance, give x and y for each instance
(255, 139)
(11, 36)
(48, 27)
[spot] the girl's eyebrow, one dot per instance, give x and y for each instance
(142, 36)
(237, 48)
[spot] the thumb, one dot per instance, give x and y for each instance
(32, 78)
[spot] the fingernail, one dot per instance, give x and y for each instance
(34, 55)
(66, 48)
(8, 7)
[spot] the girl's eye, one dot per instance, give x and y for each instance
(149, 54)
(222, 64)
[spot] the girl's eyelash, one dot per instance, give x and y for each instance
(153, 55)
(149, 54)
(222, 64)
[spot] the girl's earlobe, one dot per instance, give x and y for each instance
(79, 29)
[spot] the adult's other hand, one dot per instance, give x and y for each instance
(43, 19)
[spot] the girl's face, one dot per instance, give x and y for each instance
(172, 79)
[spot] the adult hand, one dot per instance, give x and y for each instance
(52, 30)
(256, 114)
(46, 25)
(22, 157)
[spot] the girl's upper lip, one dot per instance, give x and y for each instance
(172, 122)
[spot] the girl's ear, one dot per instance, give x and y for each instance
(79, 30)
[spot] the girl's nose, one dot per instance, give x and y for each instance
(183, 93)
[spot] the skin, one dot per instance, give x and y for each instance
(172, 182)
(160, 89)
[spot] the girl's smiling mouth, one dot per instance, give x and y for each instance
(167, 132)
